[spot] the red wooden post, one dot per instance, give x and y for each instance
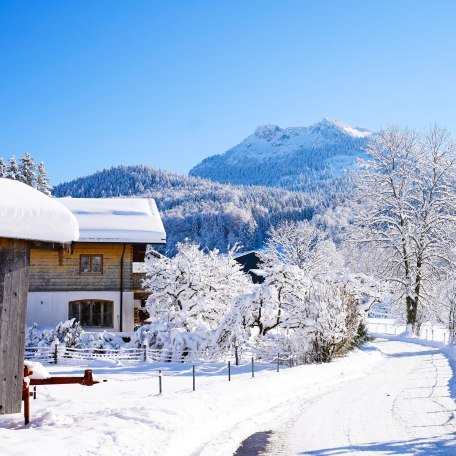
(26, 394)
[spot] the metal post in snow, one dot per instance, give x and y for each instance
(145, 353)
(159, 382)
(236, 355)
(193, 377)
(34, 392)
(56, 353)
(253, 369)
(229, 371)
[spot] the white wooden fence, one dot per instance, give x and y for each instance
(62, 354)
(388, 326)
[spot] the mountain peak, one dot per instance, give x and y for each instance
(354, 132)
(277, 156)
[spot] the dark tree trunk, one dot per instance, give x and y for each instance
(14, 277)
(411, 309)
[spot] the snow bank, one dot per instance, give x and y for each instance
(117, 219)
(26, 213)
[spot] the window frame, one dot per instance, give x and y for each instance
(90, 256)
(91, 302)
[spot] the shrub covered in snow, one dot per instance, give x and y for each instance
(70, 334)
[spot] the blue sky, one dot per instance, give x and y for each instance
(87, 84)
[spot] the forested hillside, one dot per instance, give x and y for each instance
(209, 213)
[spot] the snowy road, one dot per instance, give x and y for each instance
(402, 407)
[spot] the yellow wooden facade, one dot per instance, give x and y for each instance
(60, 270)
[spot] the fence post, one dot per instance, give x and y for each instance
(426, 334)
(236, 355)
(432, 334)
(253, 369)
(34, 392)
(145, 353)
(193, 377)
(56, 353)
(159, 382)
(229, 371)
(278, 361)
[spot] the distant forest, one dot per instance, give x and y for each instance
(211, 214)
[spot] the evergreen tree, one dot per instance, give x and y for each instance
(27, 170)
(12, 169)
(2, 168)
(43, 184)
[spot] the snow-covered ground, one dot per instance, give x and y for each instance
(392, 397)
(404, 407)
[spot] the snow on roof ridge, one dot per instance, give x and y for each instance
(129, 220)
(29, 214)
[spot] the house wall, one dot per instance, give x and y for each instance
(48, 308)
(59, 270)
(55, 280)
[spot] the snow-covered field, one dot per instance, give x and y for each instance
(127, 416)
(392, 397)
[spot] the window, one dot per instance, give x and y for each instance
(92, 312)
(91, 264)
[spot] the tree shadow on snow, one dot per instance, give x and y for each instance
(442, 446)
(448, 350)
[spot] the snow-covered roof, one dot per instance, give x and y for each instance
(132, 220)
(26, 213)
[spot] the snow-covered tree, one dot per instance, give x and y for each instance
(2, 168)
(303, 245)
(27, 170)
(43, 182)
(194, 288)
(333, 320)
(12, 169)
(408, 206)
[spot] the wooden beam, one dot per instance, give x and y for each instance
(14, 279)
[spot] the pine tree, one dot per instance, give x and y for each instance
(43, 184)
(2, 168)
(27, 170)
(12, 169)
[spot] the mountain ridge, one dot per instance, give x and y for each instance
(288, 157)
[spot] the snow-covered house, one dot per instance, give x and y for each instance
(98, 281)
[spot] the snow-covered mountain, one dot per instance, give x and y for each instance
(288, 157)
